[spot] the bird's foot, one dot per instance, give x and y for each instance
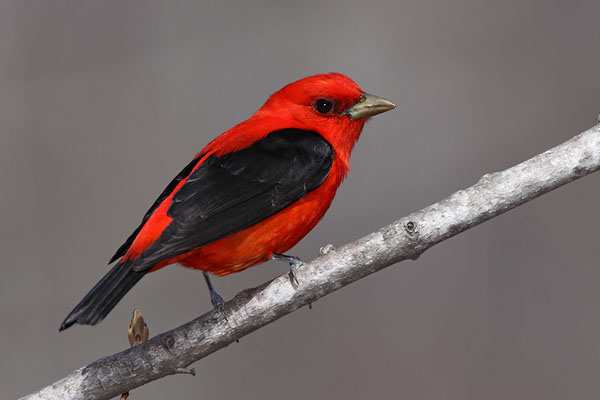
(215, 298)
(294, 263)
(218, 303)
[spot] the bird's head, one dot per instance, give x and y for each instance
(330, 104)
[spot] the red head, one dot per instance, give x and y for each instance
(323, 103)
(329, 104)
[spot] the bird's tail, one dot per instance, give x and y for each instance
(104, 296)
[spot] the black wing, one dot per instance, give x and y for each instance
(168, 190)
(229, 193)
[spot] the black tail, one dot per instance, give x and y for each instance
(104, 296)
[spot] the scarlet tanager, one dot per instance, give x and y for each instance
(250, 195)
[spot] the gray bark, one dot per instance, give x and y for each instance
(171, 352)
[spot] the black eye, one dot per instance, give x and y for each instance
(324, 106)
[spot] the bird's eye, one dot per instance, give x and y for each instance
(324, 106)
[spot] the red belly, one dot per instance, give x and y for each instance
(254, 245)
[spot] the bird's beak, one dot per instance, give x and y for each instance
(369, 105)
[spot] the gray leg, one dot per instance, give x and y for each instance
(294, 262)
(215, 299)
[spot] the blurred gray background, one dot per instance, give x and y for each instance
(102, 103)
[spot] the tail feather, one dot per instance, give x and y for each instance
(104, 296)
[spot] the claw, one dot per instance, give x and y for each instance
(189, 371)
(293, 277)
(294, 263)
(215, 298)
(218, 303)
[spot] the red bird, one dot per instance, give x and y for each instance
(250, 195)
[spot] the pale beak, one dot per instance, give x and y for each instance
(369, 105)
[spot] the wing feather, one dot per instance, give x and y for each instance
(229, 193)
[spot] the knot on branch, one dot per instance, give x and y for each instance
(411, 229)
(168, 343)
(328, 248)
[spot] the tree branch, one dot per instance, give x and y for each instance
(407, 238)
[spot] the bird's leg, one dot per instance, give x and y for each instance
(215, 299)
(294, 262)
